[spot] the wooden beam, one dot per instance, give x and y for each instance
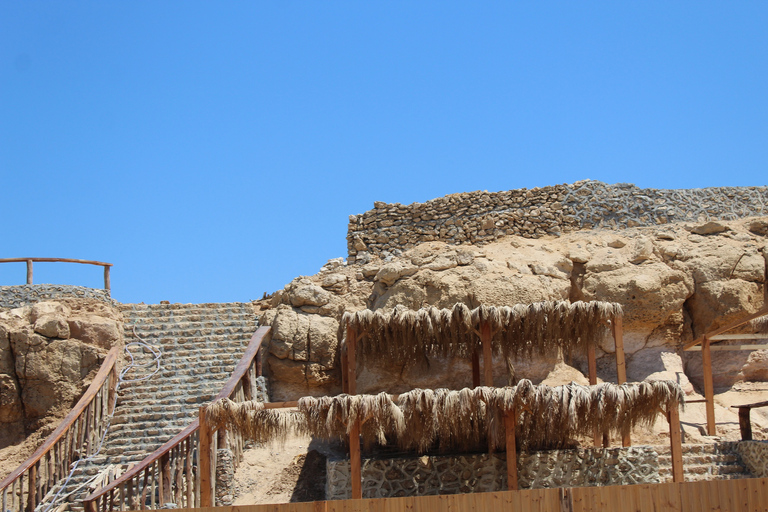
(621, 365)
(475, 368)
(355, 469)
(206, 456)
(743, 336)
(510, 424)
(761, 312)
(29, 271)
(709, 388)
(729, 348)
(676, 444)
(592, 365)
(344, 371)
(54, 260)
(485, 339)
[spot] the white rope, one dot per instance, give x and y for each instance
(120, 379)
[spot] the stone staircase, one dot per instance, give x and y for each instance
(200, 345)
(718, 461)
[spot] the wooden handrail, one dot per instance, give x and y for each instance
(29, 261)
(251, 352)
(69, 419)
(762, 311)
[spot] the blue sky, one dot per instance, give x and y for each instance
(214, 150)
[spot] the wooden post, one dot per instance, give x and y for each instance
(351, 361)
(485, 339)
(344, 372)
(475, 368)
(355, 470)
(592, 367)
(676, 443)
(107, 284)
(709, 388)
(745, 424)
(31, 492)
(165, 479)
(621, 366)
(509, 427)
(205, 456)
(29, 271)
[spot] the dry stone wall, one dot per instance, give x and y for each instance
(452, 474)
(754, 454)
(481, 217)
(17, 296)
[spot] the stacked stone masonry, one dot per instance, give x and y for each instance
(755, 457)
(200, 344)
(481, 217)
(452, 474)
(17, 296)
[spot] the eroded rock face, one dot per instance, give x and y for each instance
(48, 353)
(675, 282)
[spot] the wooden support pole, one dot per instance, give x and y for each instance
(592, 367)
(676, 444)
(355, 469)
(709, 388)
(29, 271)
(485, 339)
(205, 456)
(165, 479)
(745, 424)
(31, 491)
(509, 427)
(475, 368)
(107, 283)
(344, 372)
(621, 365)
(351, 361)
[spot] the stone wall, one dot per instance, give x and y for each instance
(17, 296)
(451, 474)
(479, 217)
(754, 454)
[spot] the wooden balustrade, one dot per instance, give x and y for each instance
(30, 261)
(171, 474)
(78, 436)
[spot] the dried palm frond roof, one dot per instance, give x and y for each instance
(546, 417)
(522, 330)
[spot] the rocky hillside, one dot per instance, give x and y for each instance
(675, 282)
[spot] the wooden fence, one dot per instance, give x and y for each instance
(745, 495)
(30, 261)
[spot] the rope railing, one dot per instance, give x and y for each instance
(30, 261)
(77, 437)
(171, 474)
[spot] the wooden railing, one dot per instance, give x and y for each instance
(78, 436)
(171, 473)
(29, 262)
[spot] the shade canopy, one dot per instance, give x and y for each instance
(523, 330)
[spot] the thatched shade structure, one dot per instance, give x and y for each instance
(523, 330)
(546, 417)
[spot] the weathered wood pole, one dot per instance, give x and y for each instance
(206, 454)
(355, 469)
(475, 368)
(745, 424)
(29, 271)
(485, 339)
(621, 366)
(509, 427)
(709, 387)
(597, 438)
(676, 443)
(107, 283)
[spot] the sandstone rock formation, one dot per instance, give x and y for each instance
(49, 351)
(675, 282)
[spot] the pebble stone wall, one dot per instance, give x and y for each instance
(451, 474)
(754, 454)
(481, 217)
(17, 296)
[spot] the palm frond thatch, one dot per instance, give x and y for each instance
(541, 328)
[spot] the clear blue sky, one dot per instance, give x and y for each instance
(214, 150)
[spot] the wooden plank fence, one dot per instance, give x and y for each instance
(744, 495)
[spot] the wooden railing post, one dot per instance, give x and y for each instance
(206, 455)
(29, 271)
(107, 284)
(709, 388)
